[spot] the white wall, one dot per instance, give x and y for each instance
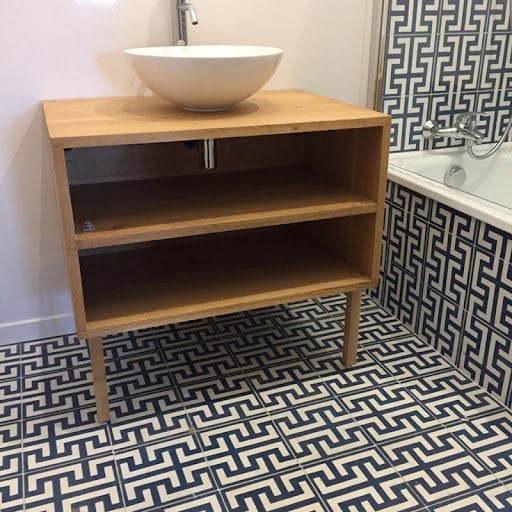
(73, 48)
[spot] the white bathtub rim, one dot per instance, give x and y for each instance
(486, 211)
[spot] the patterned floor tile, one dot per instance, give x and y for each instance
(147, 418)
(319, 431)
(363, 481)
(50, 393)
(242, 323)
(315, 337)
(408, 357)
(204, 503)
(493, 499)
(86, 486)
(490, 438)
(199, 361)
(366, 373)
(435, 465)
(10, 362)
(388, 412)
(62, 438)
(246, 450)
(139, 374)
(10, 400)
(264, 347)
(450, 396)
(288, 385)
(301, 312)
(11, 494)
(127, 344)
(220, 401)
(377, 326)
(55, 354)
(163, 473)
(10, 449)
(282, 492)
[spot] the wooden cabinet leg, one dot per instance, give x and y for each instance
(352, 313)
(99, 378)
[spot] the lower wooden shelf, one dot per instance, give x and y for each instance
(197, 277)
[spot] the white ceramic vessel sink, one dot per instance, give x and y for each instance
(205, 78)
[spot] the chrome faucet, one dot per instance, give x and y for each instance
(179, 21)
(464, 128)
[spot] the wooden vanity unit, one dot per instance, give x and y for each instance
(292, 209)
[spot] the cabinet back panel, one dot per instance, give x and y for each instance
(145, 161)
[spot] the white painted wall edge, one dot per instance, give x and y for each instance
(37, 328)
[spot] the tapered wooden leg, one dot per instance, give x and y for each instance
(99, 378)
(352, 313)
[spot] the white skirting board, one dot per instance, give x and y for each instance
(36, 328)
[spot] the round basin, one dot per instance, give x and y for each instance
(205, 78)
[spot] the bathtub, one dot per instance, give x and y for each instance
(486, 193)
(451, 281)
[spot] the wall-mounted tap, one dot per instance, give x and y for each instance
(179, 21)
(464, 128)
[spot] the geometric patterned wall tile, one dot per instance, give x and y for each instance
(402, 294)
(418, 17)
(490, 296)
(496, 61)
(487, 356)
(458, 62)
(464, 16)
(441, 323)
(454, 222)
(409, 68)
(408, 114)
(494, 241)
(499, 16)
(447, 264)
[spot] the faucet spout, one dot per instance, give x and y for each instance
(179, 21)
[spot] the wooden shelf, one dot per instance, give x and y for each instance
(138, 211)
(197, 277)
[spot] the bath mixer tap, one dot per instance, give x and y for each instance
(179, 21)
(464, 128)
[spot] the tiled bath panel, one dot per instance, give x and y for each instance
(255, 412)
(448, 277)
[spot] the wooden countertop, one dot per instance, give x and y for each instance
(145, 119)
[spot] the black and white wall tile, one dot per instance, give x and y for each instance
(444, 57)
(448, 277)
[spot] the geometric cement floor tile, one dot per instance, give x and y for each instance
(252, 412)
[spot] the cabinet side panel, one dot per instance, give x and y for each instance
(68, 235)
(352, 238)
